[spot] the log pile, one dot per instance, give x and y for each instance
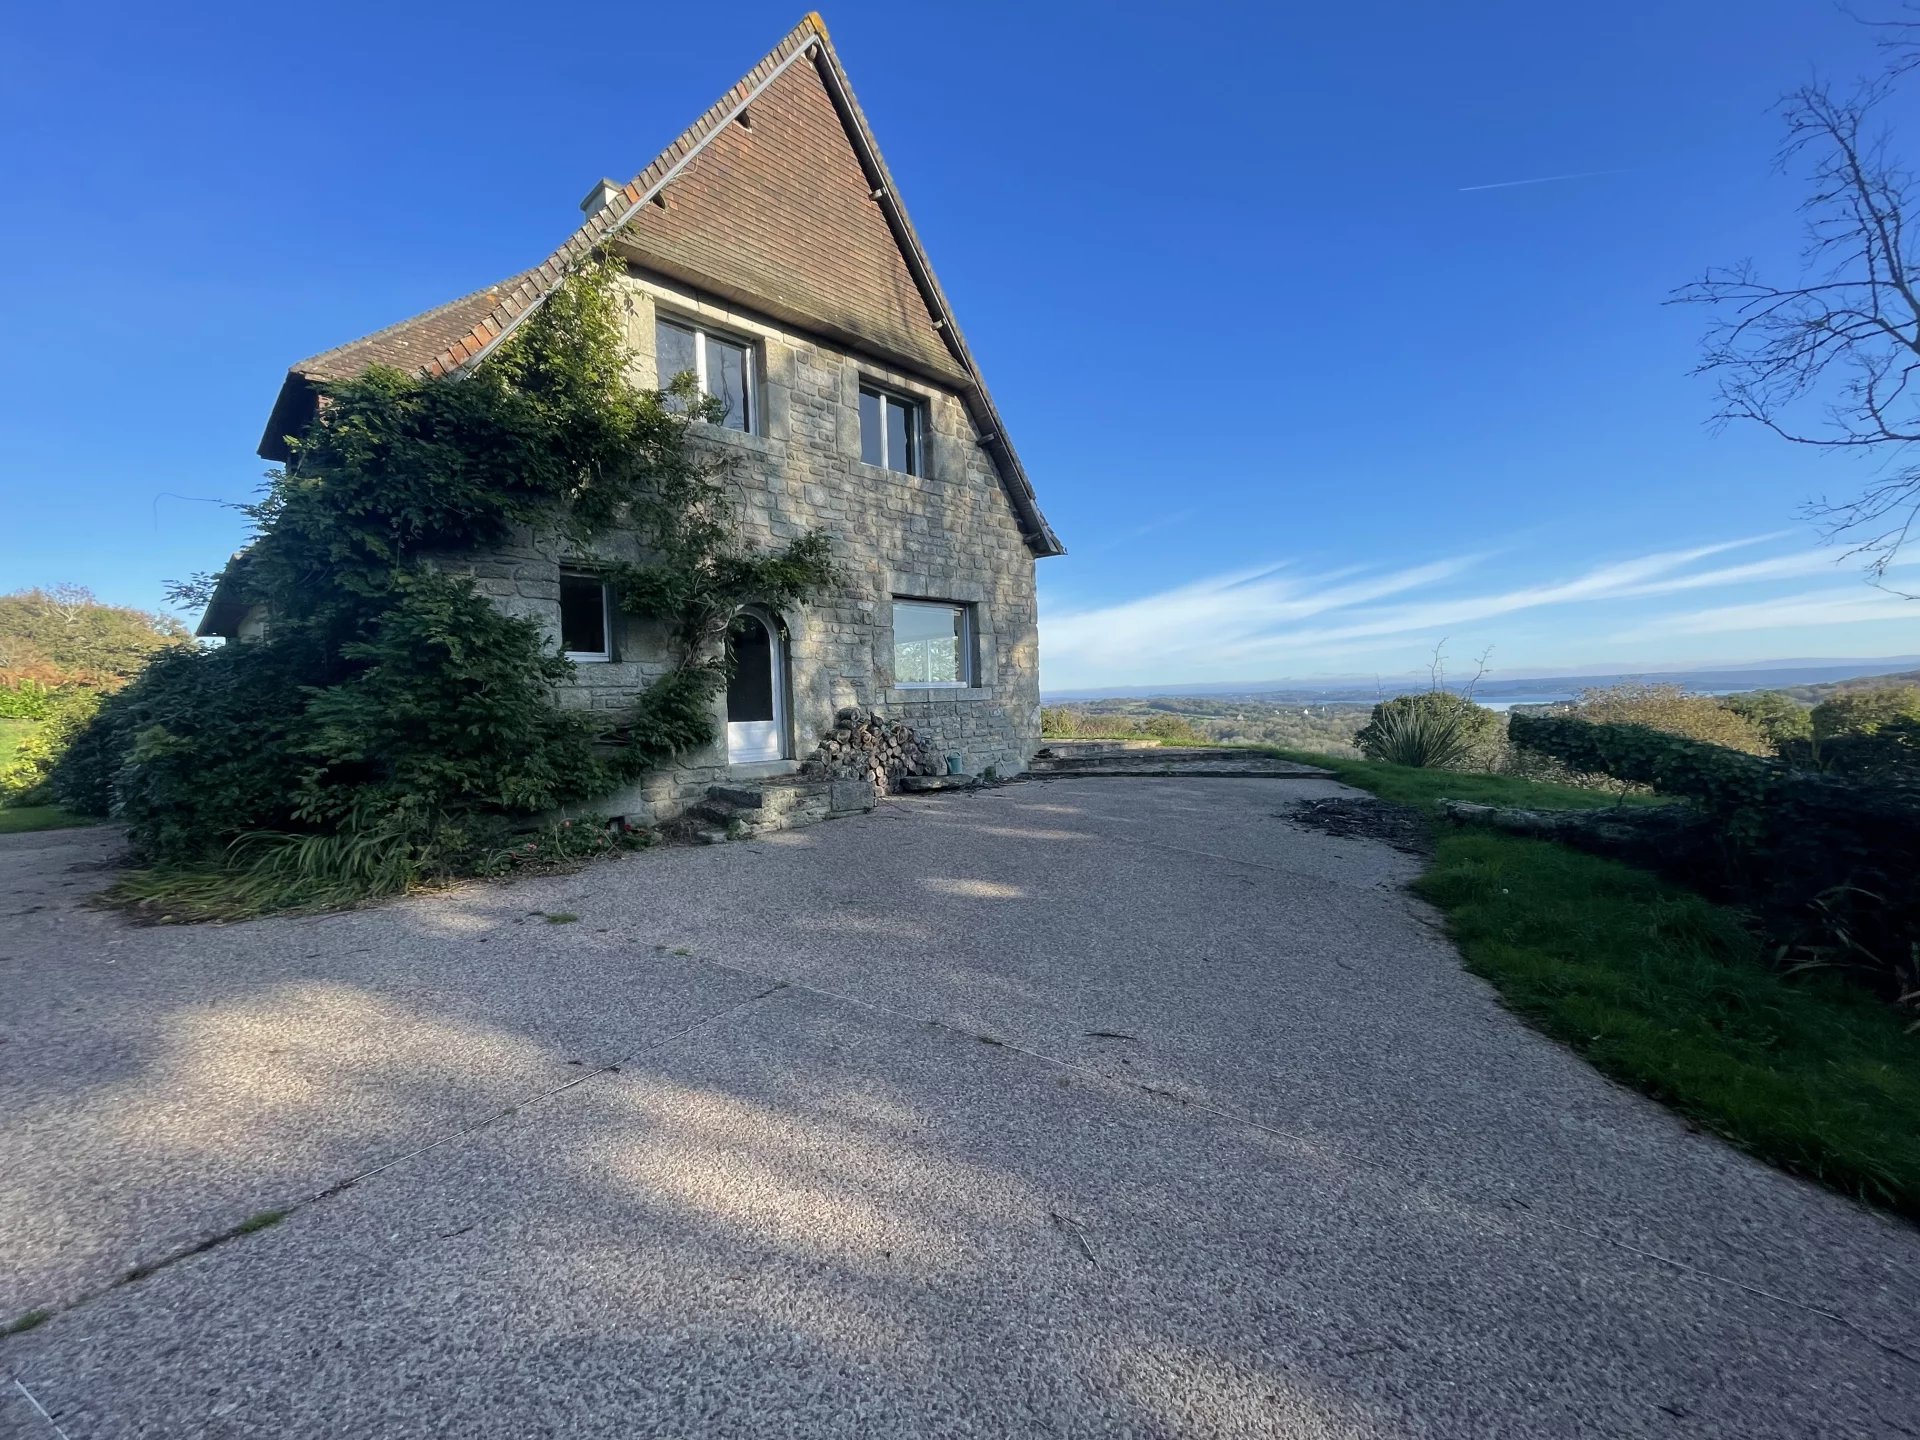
(865, 745)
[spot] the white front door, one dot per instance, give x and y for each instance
(756, 695)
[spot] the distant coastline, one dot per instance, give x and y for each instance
(1501, 693)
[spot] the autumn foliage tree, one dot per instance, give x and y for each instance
(64, 636)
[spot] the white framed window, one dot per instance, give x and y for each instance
(586, 617)
(890, 430)
(723, 364)
(932, 644)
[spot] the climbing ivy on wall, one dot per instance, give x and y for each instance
(393, 724)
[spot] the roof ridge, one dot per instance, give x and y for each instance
(506, 316)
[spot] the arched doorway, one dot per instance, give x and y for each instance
(757, 693)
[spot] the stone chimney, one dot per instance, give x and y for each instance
(603, 194)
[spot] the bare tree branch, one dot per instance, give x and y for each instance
(1829, 359)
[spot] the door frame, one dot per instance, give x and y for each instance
(760, 742)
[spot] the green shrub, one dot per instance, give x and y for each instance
(65, 715)
(1434, 730)
(28, 700)
(1862, 712)
(1887, 755)
(1827, 861)
(1672, 710)
(1780, 719)
(394, 724)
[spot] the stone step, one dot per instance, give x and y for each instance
(921, 783)
(740, 810)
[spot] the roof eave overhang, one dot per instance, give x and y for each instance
(225, 607)
(293, 410)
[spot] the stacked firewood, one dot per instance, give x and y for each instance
(865, 745)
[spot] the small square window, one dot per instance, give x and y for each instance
(585, 624)
(890, 430)
(722, 365)
(932, 644)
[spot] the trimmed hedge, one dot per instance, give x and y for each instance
(1830, 863)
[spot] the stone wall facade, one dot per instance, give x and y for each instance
(950, 534)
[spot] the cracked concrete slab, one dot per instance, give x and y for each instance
(1085, 1107)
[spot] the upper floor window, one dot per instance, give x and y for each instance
(890, 430)
(722, 365)
(586, 629)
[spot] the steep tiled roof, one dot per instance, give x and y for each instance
(777, 198)
(414, 344)
(782, 216)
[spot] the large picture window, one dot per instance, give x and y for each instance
(932, 644)
(722, 365)
(585, 629)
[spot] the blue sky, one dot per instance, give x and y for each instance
(1299, 399)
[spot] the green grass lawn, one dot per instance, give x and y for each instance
(19, 820)
(1422, 787)
(1671, 994)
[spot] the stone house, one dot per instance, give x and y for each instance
(767, 251)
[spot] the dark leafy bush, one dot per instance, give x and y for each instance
(1827, 861)
(450, 710)
(395, 724)
(193, 752)
(1887, 755)
(1862, 712)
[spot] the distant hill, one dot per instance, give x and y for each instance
(1814, 694)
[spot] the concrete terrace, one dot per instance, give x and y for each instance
(1081, 1106)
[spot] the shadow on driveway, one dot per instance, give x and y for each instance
(1077, 1107)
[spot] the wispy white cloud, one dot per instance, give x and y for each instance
(1639, 576)
(1816, 608)
(1282, 619)
(1219, 615)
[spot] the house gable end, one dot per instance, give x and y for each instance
(775, 198)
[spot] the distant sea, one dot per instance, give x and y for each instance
(1503, 694)
(1560, 697)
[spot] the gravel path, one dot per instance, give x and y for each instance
(1076, 1107)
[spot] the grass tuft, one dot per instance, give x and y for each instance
(19, 819)
(1408, 786)
(23, 1323)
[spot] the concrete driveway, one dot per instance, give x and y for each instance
(1085, 1107)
